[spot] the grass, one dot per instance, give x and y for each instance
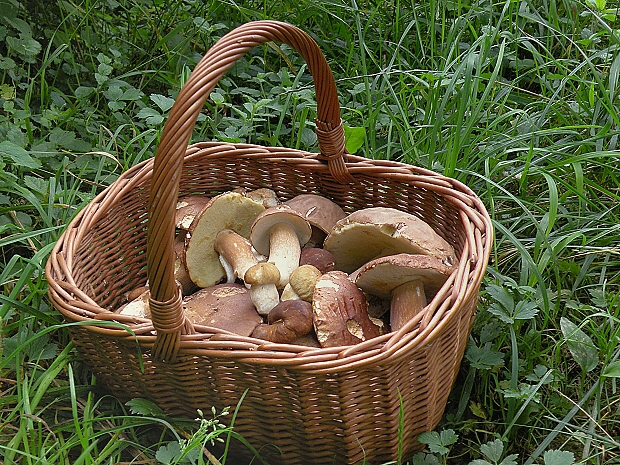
(519, 100)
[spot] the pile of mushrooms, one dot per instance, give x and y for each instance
(301, 271)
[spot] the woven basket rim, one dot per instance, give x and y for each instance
(255, 351)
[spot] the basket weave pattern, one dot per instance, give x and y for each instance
(337, 405)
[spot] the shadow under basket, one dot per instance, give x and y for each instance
(300, 405)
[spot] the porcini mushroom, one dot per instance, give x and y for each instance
(237, 258)
(322, 259)
(287, 321)
(380, 231)
(230, 210)
(321, 212)
(262, 279)
(187, 208)
(280, 232)
(406, 280)
(341, 312)
(267, 197)
(180, 270)
(138, 305)
(223, 306)
(301, 283)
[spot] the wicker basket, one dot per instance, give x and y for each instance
(338, 405)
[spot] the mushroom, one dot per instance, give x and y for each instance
(237, 258)
(267, 197)
(262, 279)
(279, 232)
(230, 210)
(320, 258)
(180, 270)
(321, 212)
(380, 231)
(406, 280)
(287, 321)
(301, 283)
(223, 306)
(341, 312)
(187, 208)
(138, 305)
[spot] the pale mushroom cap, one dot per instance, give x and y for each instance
(381, 276)
(318, 210)
(262, 273)
(303, 280)
(223, 306)
(259, 235)
(380, 231)
(230, 210)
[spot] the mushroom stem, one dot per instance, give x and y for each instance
(261, 279)
(236, 250)
(408, 300)
(284, 250)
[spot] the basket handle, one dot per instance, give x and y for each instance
(166, 309)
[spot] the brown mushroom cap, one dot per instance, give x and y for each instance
(379, 231)
(406, 280)
(320, 258)
(223, 306)
(180, 270)
(288, 321)
(259, 235)
(230, 210)
(341, 312)
(320, 211)
(187, 208)
(382, 275)
(265, 196)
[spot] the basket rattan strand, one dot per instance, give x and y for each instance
(302, 405)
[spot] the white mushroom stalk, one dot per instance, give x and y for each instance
(238, 258)
(261, 280)
(284, 250)
(235, 253)
(280, 232)
(406, 279)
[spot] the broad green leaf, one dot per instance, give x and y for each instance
(424, 459)
(493, 450)
(483, 359)
(83, 92)
(113, 93)
(558, 457)
(525, 310)
(7, 92)
(612, 370)
(169, 454)
(580, 345)
(510, 460)
(163, 102)
(144, 407)
(500, 313)
(501, 295)
(437, 442)
(151, 116)
(354, 138)
(19, 155)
